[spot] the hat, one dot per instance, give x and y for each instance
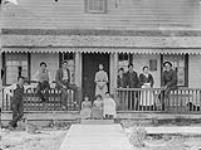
(167, 62)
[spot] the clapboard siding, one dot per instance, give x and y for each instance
(121, 14)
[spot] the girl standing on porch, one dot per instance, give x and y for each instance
(146, 81)
(97, 110)
(101, 80)
(85, 113)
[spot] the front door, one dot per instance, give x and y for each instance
(90, 67)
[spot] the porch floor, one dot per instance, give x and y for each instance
(75, 117)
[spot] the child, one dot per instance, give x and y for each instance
(109, 107)
(85, 112)
(17, 103)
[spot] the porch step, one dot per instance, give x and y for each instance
(97, 122)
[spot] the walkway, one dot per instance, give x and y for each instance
(96, 137)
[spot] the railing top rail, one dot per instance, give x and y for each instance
(179, 88)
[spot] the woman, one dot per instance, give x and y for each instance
(101, 80)
(146, 81)
(121, 83)
(121, 79)
(85, 112)
(97, 110)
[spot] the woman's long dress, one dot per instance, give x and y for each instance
(85, 113)
(146, 98)
(97, 110)
(101, 80)
(109, 107)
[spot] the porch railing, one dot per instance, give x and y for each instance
(181, 100)
(32, 102)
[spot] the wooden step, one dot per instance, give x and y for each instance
(97, 122)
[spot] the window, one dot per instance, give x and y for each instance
(96, 6)
(69, 57)
(15, 65)
(179, 63)
(124, 60)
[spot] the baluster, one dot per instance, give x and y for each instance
(139, 91)
(196, 108)
(3, 100)
(199, 99)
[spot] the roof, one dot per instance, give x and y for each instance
(103, 50)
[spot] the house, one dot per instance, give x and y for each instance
(111, 32)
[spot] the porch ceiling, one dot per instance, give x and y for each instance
(104, 50)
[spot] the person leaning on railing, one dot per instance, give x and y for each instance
(132, 81)
(17, 104)
(121, 83)
(169, 83)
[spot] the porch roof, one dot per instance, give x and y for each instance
(104, 50)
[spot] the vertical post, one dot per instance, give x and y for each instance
(1, 98)
(78, 74)
(113, 72)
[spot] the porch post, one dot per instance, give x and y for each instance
(0, 79)
(78, 73)
(113, 71)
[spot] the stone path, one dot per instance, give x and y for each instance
(96, 137)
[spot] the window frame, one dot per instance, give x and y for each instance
(4, 79)
(89, 11)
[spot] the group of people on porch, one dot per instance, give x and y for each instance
(129, 79)
(145, 99)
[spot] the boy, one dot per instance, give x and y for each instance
(17, 103)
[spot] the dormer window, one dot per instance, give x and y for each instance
(95, 6)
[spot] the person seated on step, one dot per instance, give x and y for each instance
(42, 76)
(97, 109)
(85, 112)
(109, 107)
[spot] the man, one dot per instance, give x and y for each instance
(43, 77)
(17, 102)
(169, 82)
(132, 81)
(63, 83)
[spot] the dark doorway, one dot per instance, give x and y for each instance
(90, 67)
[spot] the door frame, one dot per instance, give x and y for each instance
(110, 71)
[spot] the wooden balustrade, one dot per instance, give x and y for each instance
(32, 102)
(181, 100)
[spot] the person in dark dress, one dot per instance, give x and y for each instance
(169, 83)
(121, 78)
(146, 81)
(17, 103)
(132, 81)
(121, 83)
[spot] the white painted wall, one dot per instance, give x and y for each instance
(194, 73)
(52, 61)
(140, 60)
